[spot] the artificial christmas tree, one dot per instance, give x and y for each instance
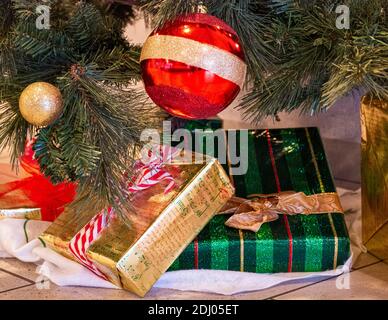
(88, 133)
(296, 56)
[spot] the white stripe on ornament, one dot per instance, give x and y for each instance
(197, 54)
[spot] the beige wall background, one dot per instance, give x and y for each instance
(340, 126)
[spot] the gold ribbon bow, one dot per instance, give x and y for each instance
(250, 214)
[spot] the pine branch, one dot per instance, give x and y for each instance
(7, 60)
(48, 152)
(316, 63)
(119, 65)
(84, 54)
(6, 17)
(364, 65)
(41, 44)
(250, 20)
(86, 27)
(161, 11)
(122, 12)
(13, 128)
(95, 119)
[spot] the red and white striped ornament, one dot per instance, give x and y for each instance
(194, 66)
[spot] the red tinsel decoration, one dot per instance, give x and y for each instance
(36, 190)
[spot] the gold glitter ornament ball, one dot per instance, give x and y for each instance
(41, 104)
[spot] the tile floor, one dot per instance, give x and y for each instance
(368, 280)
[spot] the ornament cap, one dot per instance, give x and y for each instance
(202, 8)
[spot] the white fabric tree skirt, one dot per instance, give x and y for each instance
(65, 272)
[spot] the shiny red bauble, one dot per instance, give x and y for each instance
(194, 66)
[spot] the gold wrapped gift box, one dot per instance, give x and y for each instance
(21, 213)
(374, 141)
(133, 254)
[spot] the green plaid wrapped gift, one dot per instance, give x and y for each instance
(278, 160)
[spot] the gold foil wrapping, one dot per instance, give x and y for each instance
(21, 213)
(374, 141)
(133, 254)
(64, 228)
